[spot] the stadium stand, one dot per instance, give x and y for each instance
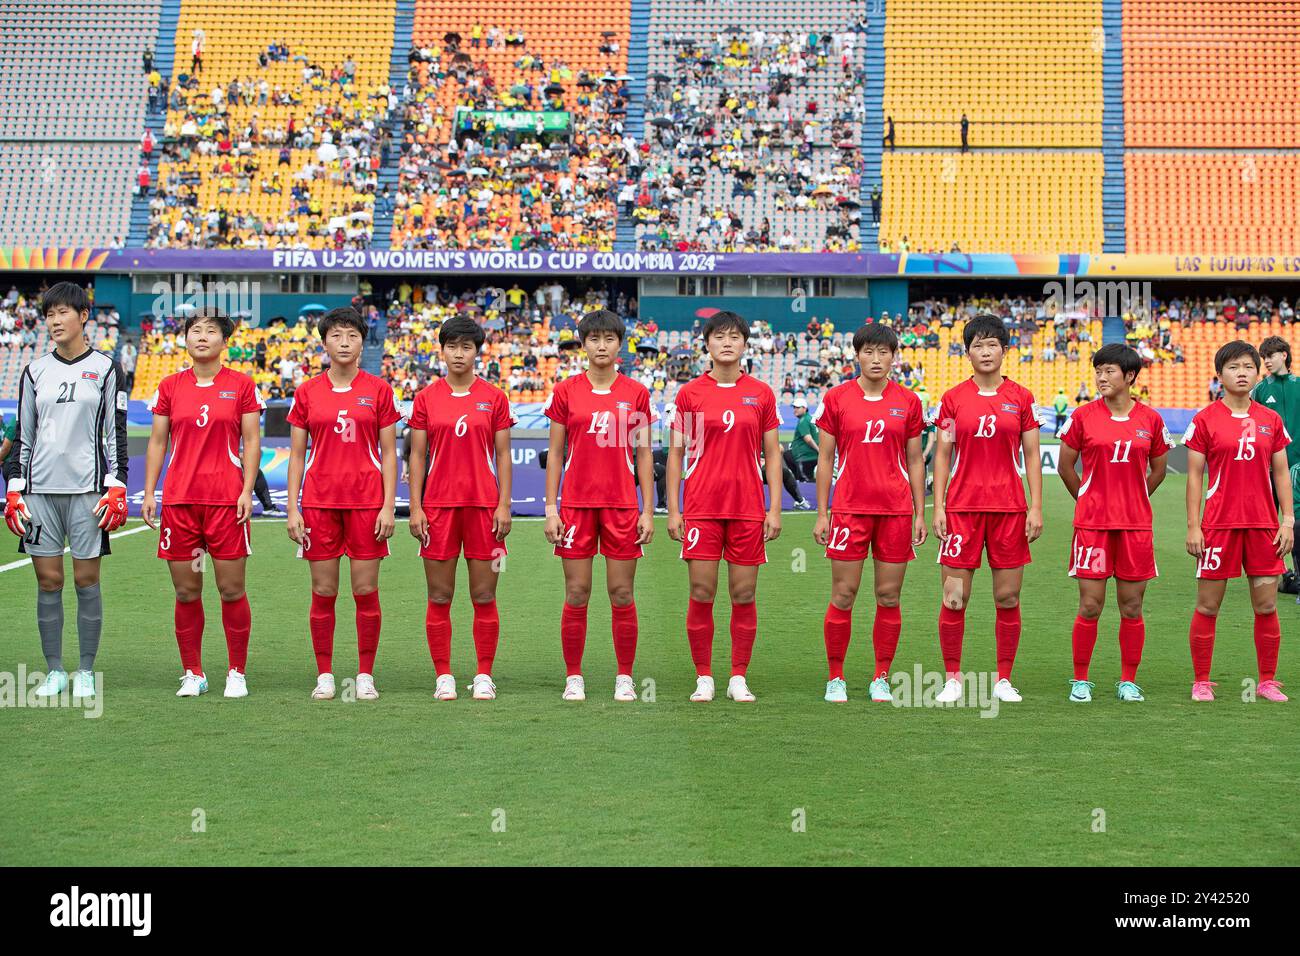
(1240, 203)
(471, 181)
(72, 103)
(1025, 72)
(1028, 76)
(274, 134)
(1216, 74)
(992, 202)
(754, 114)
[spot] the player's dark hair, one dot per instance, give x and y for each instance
(1274, 344)
(985, 327)
(224, 322)
(65, 293)
(460, 327)
(344, 315)
(1233, 351)
(725, 319)
(875, 334)
(1116, 353)
(600, 320)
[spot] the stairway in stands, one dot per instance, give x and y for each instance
(1114, 238)
(638, 65)
(873, 129)
(164, 56)
(403, 28)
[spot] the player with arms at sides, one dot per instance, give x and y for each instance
(979, 499)
(348, 484)
(604, 418)
(1242, 445)
(871, 449)
(66, 479)
(1124, 446)
(205, 411)
(723, 421)
(460, 500)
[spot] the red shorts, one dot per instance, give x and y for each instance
(184, 531)
(1127, 555)
(735, 540)
(452, 530)
(334, 532)
(853, 536)
(1001, 533)
(1229, 551)
(614, 528)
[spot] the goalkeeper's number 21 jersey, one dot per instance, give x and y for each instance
(71, 428)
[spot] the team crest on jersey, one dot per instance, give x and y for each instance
(898, 413)
(229, 395)
(365, 401)
(483, 406)
(1142, 433)
(623, 406)
(749, 400)
(1011, 408)
(1266, 429)
(92, 376)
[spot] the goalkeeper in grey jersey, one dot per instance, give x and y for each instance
(66, 478)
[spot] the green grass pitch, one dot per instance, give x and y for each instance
(528, 779)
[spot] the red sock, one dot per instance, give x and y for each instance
(1132, 635)
(321, 621)
(1201, 638)
(624, 624)
(237, 619)
(1268, 638)
(369, 621)
(487, 632)
(1007, 629)
(573, 637)
(837, 631)
(1084, 640)
(699, 631)
(952, 628)
(189, 634)
(744, 628)
(437, 629)
(884, 636)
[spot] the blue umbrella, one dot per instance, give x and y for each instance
(312, 307)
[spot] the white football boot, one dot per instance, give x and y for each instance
(366, 687)
(1003, 691)
(236, 684)
(624, 688)
(574, 688)
(444, 688)
(951, 692)
(483, 687)
(324, 689)
(703, 690)
(192, 685)
(739, 691)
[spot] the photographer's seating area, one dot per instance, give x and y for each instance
(287, 98)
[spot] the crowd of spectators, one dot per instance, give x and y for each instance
(468, 181)
(317, 171)
(741, 104)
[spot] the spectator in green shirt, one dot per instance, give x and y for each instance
(802, 455)
(1280, 390)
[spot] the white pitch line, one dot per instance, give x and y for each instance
(26, 561)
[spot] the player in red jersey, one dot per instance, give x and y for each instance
(349, 486)
(723, 421)
(460, 500)
(1242, 444)
(206, 410)
(871, 448)
(984, 424)
(603, 418)
(1124, 445)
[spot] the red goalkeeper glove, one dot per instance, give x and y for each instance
(112, 508)
(17, 517)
